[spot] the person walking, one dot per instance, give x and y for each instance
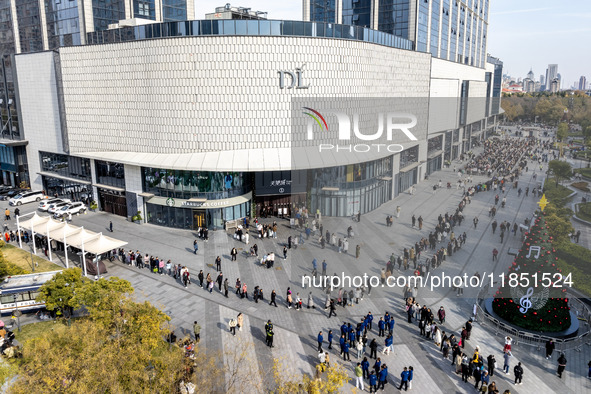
(110, 224)
(359, 377)
(549, 348)
(561, 365)
(357, 251)
(273, 295)
(475, 221)
(495, 253)
(507, 358)
(195, 247)
(398, 209)
(197, 331)
(330, 337)
(220, 281)
(404, 379)
(284, 253)
(518, 371)
(333, 309)
(320, 341)
(233, 253)
(218, 263)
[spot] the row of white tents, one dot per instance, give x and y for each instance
(78, 237)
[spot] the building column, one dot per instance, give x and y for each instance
(375, 15)
(306, 10)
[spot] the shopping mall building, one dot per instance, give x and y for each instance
(191, 123)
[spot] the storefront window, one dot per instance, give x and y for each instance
(409, 156)
(70, 166)
(109, 173)
(435, 144)
(189, 184)
(352, 176)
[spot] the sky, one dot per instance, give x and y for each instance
(524, 34)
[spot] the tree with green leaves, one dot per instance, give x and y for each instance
(560, 170)
(562, 132)
(59, 293)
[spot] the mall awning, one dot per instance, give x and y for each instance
(69, 235)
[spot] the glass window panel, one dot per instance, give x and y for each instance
(253, 28)
(264, 28)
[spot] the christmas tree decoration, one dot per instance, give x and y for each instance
(532, 294)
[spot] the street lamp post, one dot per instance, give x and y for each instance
(17, 313)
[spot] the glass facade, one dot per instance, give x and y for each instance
(453, 32)
(461, 28)
(346, 190)
(445, 13)
(67, 189)
(106, 12)
(434, 165)
(357, 12)
(247, 27)
(70, 166)
(191, 184)
(393, 17)
(175, 10)
(29, 25)
(110, 174)
(434, 144)
(423, 25)
(63, 24)
(191, 219)
(435, 15)
(409, 156)
(145, 9)
(323, 11)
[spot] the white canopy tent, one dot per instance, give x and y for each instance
(69, 235)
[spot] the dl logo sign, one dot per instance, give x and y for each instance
(295, 79)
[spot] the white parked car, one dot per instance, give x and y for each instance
(45, 204)
(53, 208)
(26, 197)
(74, 208)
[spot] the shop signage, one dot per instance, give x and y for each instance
(296, 79)
(273, 183)
(170, 202)
(205, 204)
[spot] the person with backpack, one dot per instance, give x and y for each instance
(518, 371)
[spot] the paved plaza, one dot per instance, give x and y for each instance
(296, 331)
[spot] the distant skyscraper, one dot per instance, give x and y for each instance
(530, 75)
(551, 74)
(582, 83)
(454, 30)
(542, 80)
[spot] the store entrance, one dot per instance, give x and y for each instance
(198, 219)
(113, 202)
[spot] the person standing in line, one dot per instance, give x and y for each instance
(518, 371)
(330, 336)
(561, 365)
(218, 263)
(195, 247)
(197, 331)
(233, 253)
(359, 377)
(383, 376)
(320, 341)
(413, 220)
(273, 295)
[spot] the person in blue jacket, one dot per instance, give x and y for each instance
(373, 382)
(344, 328)
(404, 379)
(365, 368)
(381, 327)
(369, 320)
(320, 340)
(383, 377)
(351, 337)
(389, 342)
(391, 325)
(377, 365)
(387, 317)
(346, 352)
(342, 342)
(330, 339)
